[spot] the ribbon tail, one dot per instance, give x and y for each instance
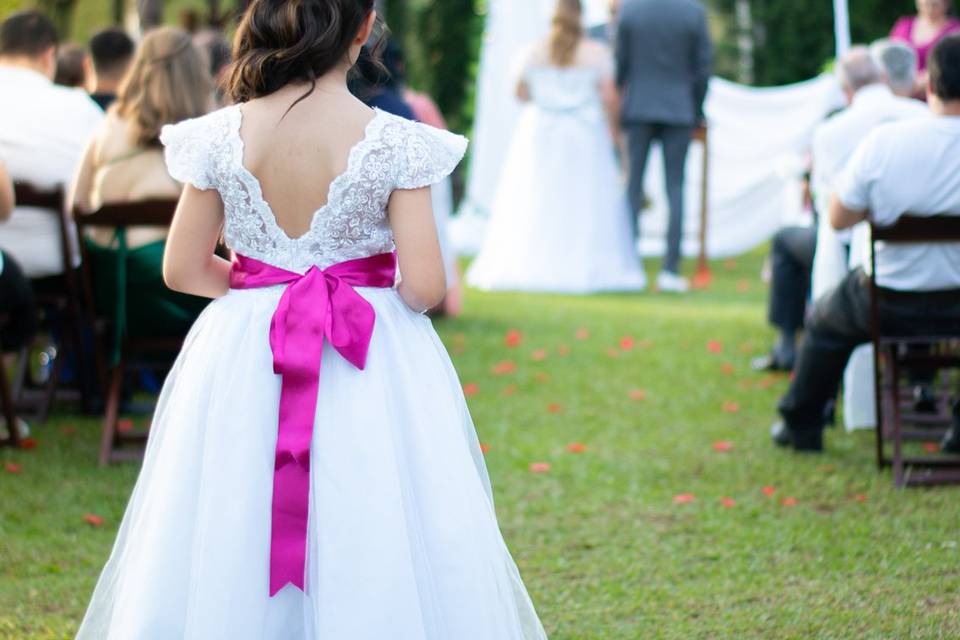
(288, 536)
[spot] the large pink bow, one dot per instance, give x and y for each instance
(317, 306)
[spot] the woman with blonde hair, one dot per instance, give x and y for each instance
(168, 82)
(560, 218)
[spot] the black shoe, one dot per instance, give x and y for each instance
(808, 440)
(772, 362)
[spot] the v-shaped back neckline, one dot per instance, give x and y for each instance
(260, 202)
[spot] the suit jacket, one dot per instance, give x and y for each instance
(664, 61)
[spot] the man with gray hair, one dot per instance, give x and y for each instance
(899, 64)
(795, 254)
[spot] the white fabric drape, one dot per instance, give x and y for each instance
(841, 24)
(759, 139)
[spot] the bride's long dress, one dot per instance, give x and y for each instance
(402, 539)
(560, 219)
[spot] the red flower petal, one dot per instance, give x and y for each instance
(484, 448)
(539, 355)
(729, 503)
(684, 498)
(702, 279)
(931, 447)
(563, 350)
(555, 408)
(723, 446)
(731, 407)
(769, 491)
(504, 368)
(765, 383)
(540, 467)
(582, 333)
(513, 338)
(789, 502)
(29, 443)
(93, 520)
(715, 346)
(510, 389)
(125, 425)
(638, 395)
(627, 343)
(12, 467)
(576, 447)
(727, 369)
(860, 497)
(470, 389)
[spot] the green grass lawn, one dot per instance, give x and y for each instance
(605, 548)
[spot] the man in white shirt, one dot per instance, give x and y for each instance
(43, 131)
(903, 167)
(868, 80)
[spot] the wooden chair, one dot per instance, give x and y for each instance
(896, 356)
(133, 353)
(7, 405)
(65, 314)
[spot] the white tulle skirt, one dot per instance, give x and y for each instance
(560, 220)
(403, 541)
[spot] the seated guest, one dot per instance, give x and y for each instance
(16, 295)
(899, 64)
(921, 32)
(872, 102)
(219, 55)
(71, 67)
(111, 51)
(904, 167)
(167, 82)
(43, 130)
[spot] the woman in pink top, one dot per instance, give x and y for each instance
(931, 24)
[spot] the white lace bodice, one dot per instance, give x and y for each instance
(395, 153)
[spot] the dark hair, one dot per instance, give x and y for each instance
(70, 70)
(27, 33)
(111, 51)
(944, 68)
(284, 41)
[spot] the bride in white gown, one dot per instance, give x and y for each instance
(560, 219)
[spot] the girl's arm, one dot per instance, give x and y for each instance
(189, 262)
(6, 193)
(81, 192)
(424, 280)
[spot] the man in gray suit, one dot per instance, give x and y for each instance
(664, 63)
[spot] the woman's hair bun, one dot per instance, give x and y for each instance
(284, 41)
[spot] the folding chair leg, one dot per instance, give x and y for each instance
(6, 400)
(111, 415)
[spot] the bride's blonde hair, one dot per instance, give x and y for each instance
(566, 32)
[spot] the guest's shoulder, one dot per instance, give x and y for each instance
(75, 102)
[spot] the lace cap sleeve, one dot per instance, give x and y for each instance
(427, 156)
(189, 149)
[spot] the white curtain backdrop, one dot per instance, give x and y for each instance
(759, 140)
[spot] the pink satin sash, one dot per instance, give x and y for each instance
(317, 306)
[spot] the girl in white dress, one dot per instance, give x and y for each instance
(560, 220)
(342, 502)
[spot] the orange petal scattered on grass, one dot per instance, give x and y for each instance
(727, 369)
(542, 377)
(504, 368)
(125, 425)
(69, 430)
(766, 382)
(724, 446)
(513, 338)
(563, 350)
(715, 346)
(627, 343)
(29, 443)
(510, 390)
(860, 497)
(731, 407)
(471, 389)
(684, 498)
(729, 503)
(613, 353)
(746, 347)
(539, 355)
(540, 467)
(702, 279)
(789, 502)
(555, 408)
(576, 447)
(746, 384)
(93, 520)
(484, 448)
(730, 265)
(12, 467)
(743, 286)
(582, 333)
(638, 395)
(769, 491)
(931, 447)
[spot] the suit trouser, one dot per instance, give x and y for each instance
(792, 258)
(17, 302)
(675, 140)
(841, 322)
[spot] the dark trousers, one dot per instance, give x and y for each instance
(17, 303)
(675, 140)
(791, 256)
(841, 322)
